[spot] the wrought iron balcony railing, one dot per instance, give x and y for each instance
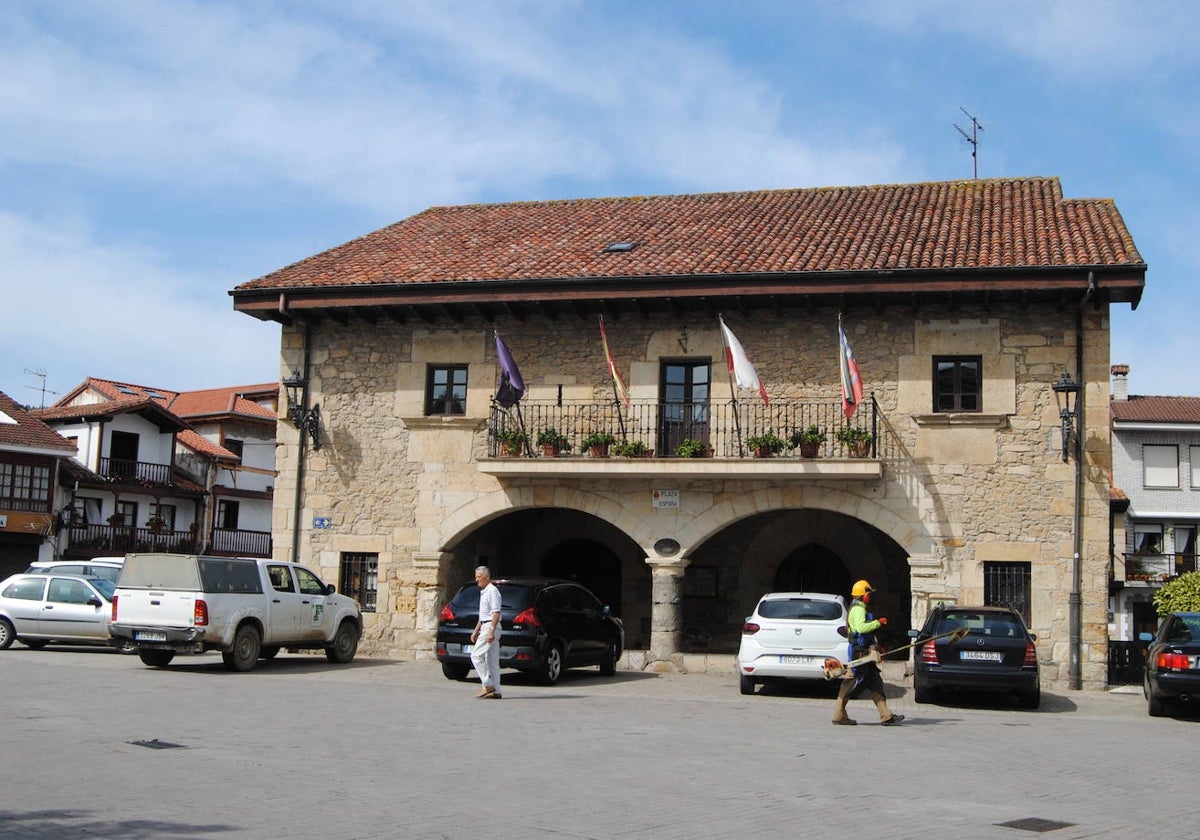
(119, 539)
(136, 472)
(671, 430)
(1153, 567)
(228, 542)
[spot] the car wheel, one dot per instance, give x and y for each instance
(246, 645)
(921, 692)
(345, 644)
(156, 658)
(1030, 699)
(269, 652)
(127, 646)
(454, 672)
(35, 644)
(7, 634)
(608, 665)
(552, 667)
(746, 684)
(1156, 706)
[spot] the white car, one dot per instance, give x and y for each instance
(789, 636)
(108, 568)
(69, 609)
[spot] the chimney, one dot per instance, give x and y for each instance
(1120, 382)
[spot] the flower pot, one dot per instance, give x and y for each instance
(860, 448)
(551, 450)
(809, 450)
(598, 450)
(762, 452)
(509, 449)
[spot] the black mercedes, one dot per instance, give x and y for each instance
(1173, 662)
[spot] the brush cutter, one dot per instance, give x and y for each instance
(833, 669)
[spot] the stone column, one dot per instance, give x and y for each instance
(666, 615)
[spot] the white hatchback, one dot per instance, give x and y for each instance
(789, 636)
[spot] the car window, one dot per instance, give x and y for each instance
(106, 587)
(800, 608)
(563, 598)
(281, 578)
(106, 572)
(67, 591)
(310, 584)
(587, 601)
(30, 589)
(229, 575)
(1179, 632)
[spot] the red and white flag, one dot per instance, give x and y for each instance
(852, 387)
(740, 369)
(619, 386)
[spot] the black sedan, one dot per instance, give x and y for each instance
(548, 625)
(1173, 662)
(996, 653)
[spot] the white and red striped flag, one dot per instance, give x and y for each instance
(740, 369)
(619, 386)
(852, 387)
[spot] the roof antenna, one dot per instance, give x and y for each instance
(972, 138)
(40, 373)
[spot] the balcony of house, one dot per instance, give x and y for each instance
(785, 440)
(142, 473)
(98, 540)
(228, 542)
(1150, 568)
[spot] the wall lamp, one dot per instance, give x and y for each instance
(1066, 391)
(306, 420)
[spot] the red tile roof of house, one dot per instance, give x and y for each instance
(28, 432)
(1139, 409)
(224, 401)
(202, 445)
(152, 409)
(952, 225)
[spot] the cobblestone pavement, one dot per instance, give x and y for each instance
(380, 749)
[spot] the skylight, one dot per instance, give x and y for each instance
(124, 390)
(618, 247)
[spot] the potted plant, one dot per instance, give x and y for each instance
(156, 524)
(856, 440)
(511, 441)
(553, 442)
(632, 449)
(597, 444)
(692, 448)
(808, 440)
(766, 444)
(116, 520)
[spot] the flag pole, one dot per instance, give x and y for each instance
(612, 375)
(737, 420)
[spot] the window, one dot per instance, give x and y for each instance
(360, 578)
(1008, 585)
(957, 383)
(1147, 539)
(1160, 466)
(684, 388)
(234, 445)
(281, 578)
(309, 583)
(1194, 459)
(227, 514)
(446, 389)
(64, 591)
(126, 514)
(24, 487)
(167, 514)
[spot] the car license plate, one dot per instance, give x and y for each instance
(466, 648)
(982, 655)
(150, 636)
(795, 660)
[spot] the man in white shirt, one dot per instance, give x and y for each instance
(485, 638)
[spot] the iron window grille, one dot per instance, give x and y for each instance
(957, 383)
(360, 578)
(1008, 585)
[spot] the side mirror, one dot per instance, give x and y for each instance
(606, 610)
(844, 632)
(914, 634)
(1145, 637)
(1033, 637)
(93, 601)
(330, 589)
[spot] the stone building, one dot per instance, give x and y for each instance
(963, 302)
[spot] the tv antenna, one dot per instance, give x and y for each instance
(972, 138)
(40, 373)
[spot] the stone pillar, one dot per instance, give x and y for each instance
(666, 615)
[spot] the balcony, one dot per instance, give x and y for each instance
(720, 435)
(96, 540)
(228, 542)
(1157, 568)
(136, 472)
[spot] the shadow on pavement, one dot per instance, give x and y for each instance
(52, 825)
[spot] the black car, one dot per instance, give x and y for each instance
(1173, 662)
(548, 624)
(995, 654)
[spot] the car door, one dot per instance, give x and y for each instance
(72, 611)
(315, 622)
(23, 604)
(593, 629)
(289, 614)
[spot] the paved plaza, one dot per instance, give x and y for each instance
(97, 745)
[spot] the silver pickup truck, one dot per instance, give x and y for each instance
(247, 609)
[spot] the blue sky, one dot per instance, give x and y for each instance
(157, 153)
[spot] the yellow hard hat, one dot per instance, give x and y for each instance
(861, 588)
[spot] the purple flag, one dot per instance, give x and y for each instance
(512, 386)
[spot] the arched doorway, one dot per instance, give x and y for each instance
(813, 568)
(590, 563)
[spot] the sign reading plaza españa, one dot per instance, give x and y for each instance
(664, 498)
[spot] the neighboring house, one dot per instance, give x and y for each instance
(147, 479)
(31, 456)
(963, 303)
(1156, 466)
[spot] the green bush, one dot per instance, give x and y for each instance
(1179, 595)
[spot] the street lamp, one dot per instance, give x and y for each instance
(306, 420)
(1066, 391)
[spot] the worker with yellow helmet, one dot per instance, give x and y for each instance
(866, 676)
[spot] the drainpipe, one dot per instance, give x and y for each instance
(300, 453)
(1075, 671)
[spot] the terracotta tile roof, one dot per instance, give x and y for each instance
(1138, 409)
(225, 401)
(111, 390)
(998, 223)
(28, 432)
(204, 446)
(152, 409)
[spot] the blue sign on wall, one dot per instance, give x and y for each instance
(322, 521)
